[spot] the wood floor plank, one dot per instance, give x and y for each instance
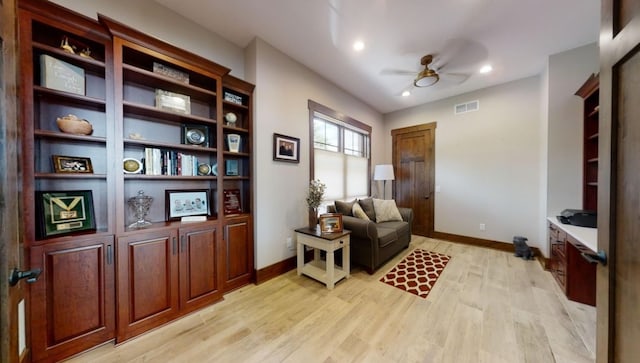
(487, 306)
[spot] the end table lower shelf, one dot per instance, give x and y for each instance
(324, 271)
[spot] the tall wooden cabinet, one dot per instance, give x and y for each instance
(589, 92)
(116, 281)
(72, 305)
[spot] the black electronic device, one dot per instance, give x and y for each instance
(579, 217)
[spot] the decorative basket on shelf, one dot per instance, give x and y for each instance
(72, 124)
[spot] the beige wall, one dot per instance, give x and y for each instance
(283, 88)
(487, 162)
(567, 72)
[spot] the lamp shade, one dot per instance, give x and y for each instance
(383, 172)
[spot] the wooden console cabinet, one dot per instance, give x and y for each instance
(575, 275)
(116, 282)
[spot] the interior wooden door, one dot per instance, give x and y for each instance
(618, 291)
(414, 164)
(14, 346)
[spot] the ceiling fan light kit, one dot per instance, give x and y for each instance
(427, 77)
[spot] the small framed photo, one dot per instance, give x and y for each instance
(233, 98)
(174, 102)
(231, 167)
(197, 135)
(63, 212)
(232, 201)
(186, 203)
(71, 164)
(331, 223)
(286, 148)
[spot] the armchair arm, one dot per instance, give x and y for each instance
(360, 227)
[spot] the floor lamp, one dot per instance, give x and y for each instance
(384, 172)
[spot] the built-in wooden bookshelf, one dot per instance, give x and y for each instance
(590, 94)
(118, 281)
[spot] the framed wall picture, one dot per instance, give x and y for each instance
(186, 203)
(331, 223)
(286, 148)
(71, 164)
(63, 212)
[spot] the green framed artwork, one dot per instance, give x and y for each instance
(63, 212)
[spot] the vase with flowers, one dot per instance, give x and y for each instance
(314, 198)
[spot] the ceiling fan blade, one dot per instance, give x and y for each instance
(454, 77)
(397, 72)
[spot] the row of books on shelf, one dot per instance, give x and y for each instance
(168, 162)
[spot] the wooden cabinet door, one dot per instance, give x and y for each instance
(72, 303)
(238, 241)
(199, 277)
(147, 281)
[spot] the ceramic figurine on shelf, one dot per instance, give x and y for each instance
(231, 119)
(64, 44)
(86, 53)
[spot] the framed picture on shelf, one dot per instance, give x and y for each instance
(197, 135)
(174, 102)
(232, 201)
(331, 223)
(233, 98)
(186, 203)
(286, 148)
(233, 141)
(171, 72)
(62, 212)
(71, 164)
(231, 168)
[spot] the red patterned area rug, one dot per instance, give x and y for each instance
(418, 272)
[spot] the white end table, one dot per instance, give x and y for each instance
(325, 272)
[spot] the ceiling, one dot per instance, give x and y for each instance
(515, 37)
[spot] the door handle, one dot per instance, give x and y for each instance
(600, 257)
(30, 275)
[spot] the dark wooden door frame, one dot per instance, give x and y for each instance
(617, 181)
(429, 194)
(10, 245)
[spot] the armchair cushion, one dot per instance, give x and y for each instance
(367, 206)
(358, 212)
(344, 207)
(386, 210)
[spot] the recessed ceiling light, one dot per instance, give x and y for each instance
(406, 94)
(358, 45)
(486, 69)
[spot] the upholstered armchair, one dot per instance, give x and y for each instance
(375, 237)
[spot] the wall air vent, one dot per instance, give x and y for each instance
(466, 107)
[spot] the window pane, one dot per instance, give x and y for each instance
(357, 177)
(325, 135)
(329, 169)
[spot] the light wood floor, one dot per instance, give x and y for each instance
(487, 306)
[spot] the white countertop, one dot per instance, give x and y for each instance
(586, 236)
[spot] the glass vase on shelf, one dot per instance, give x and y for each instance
(140, 204)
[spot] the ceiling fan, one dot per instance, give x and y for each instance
(427, 77)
